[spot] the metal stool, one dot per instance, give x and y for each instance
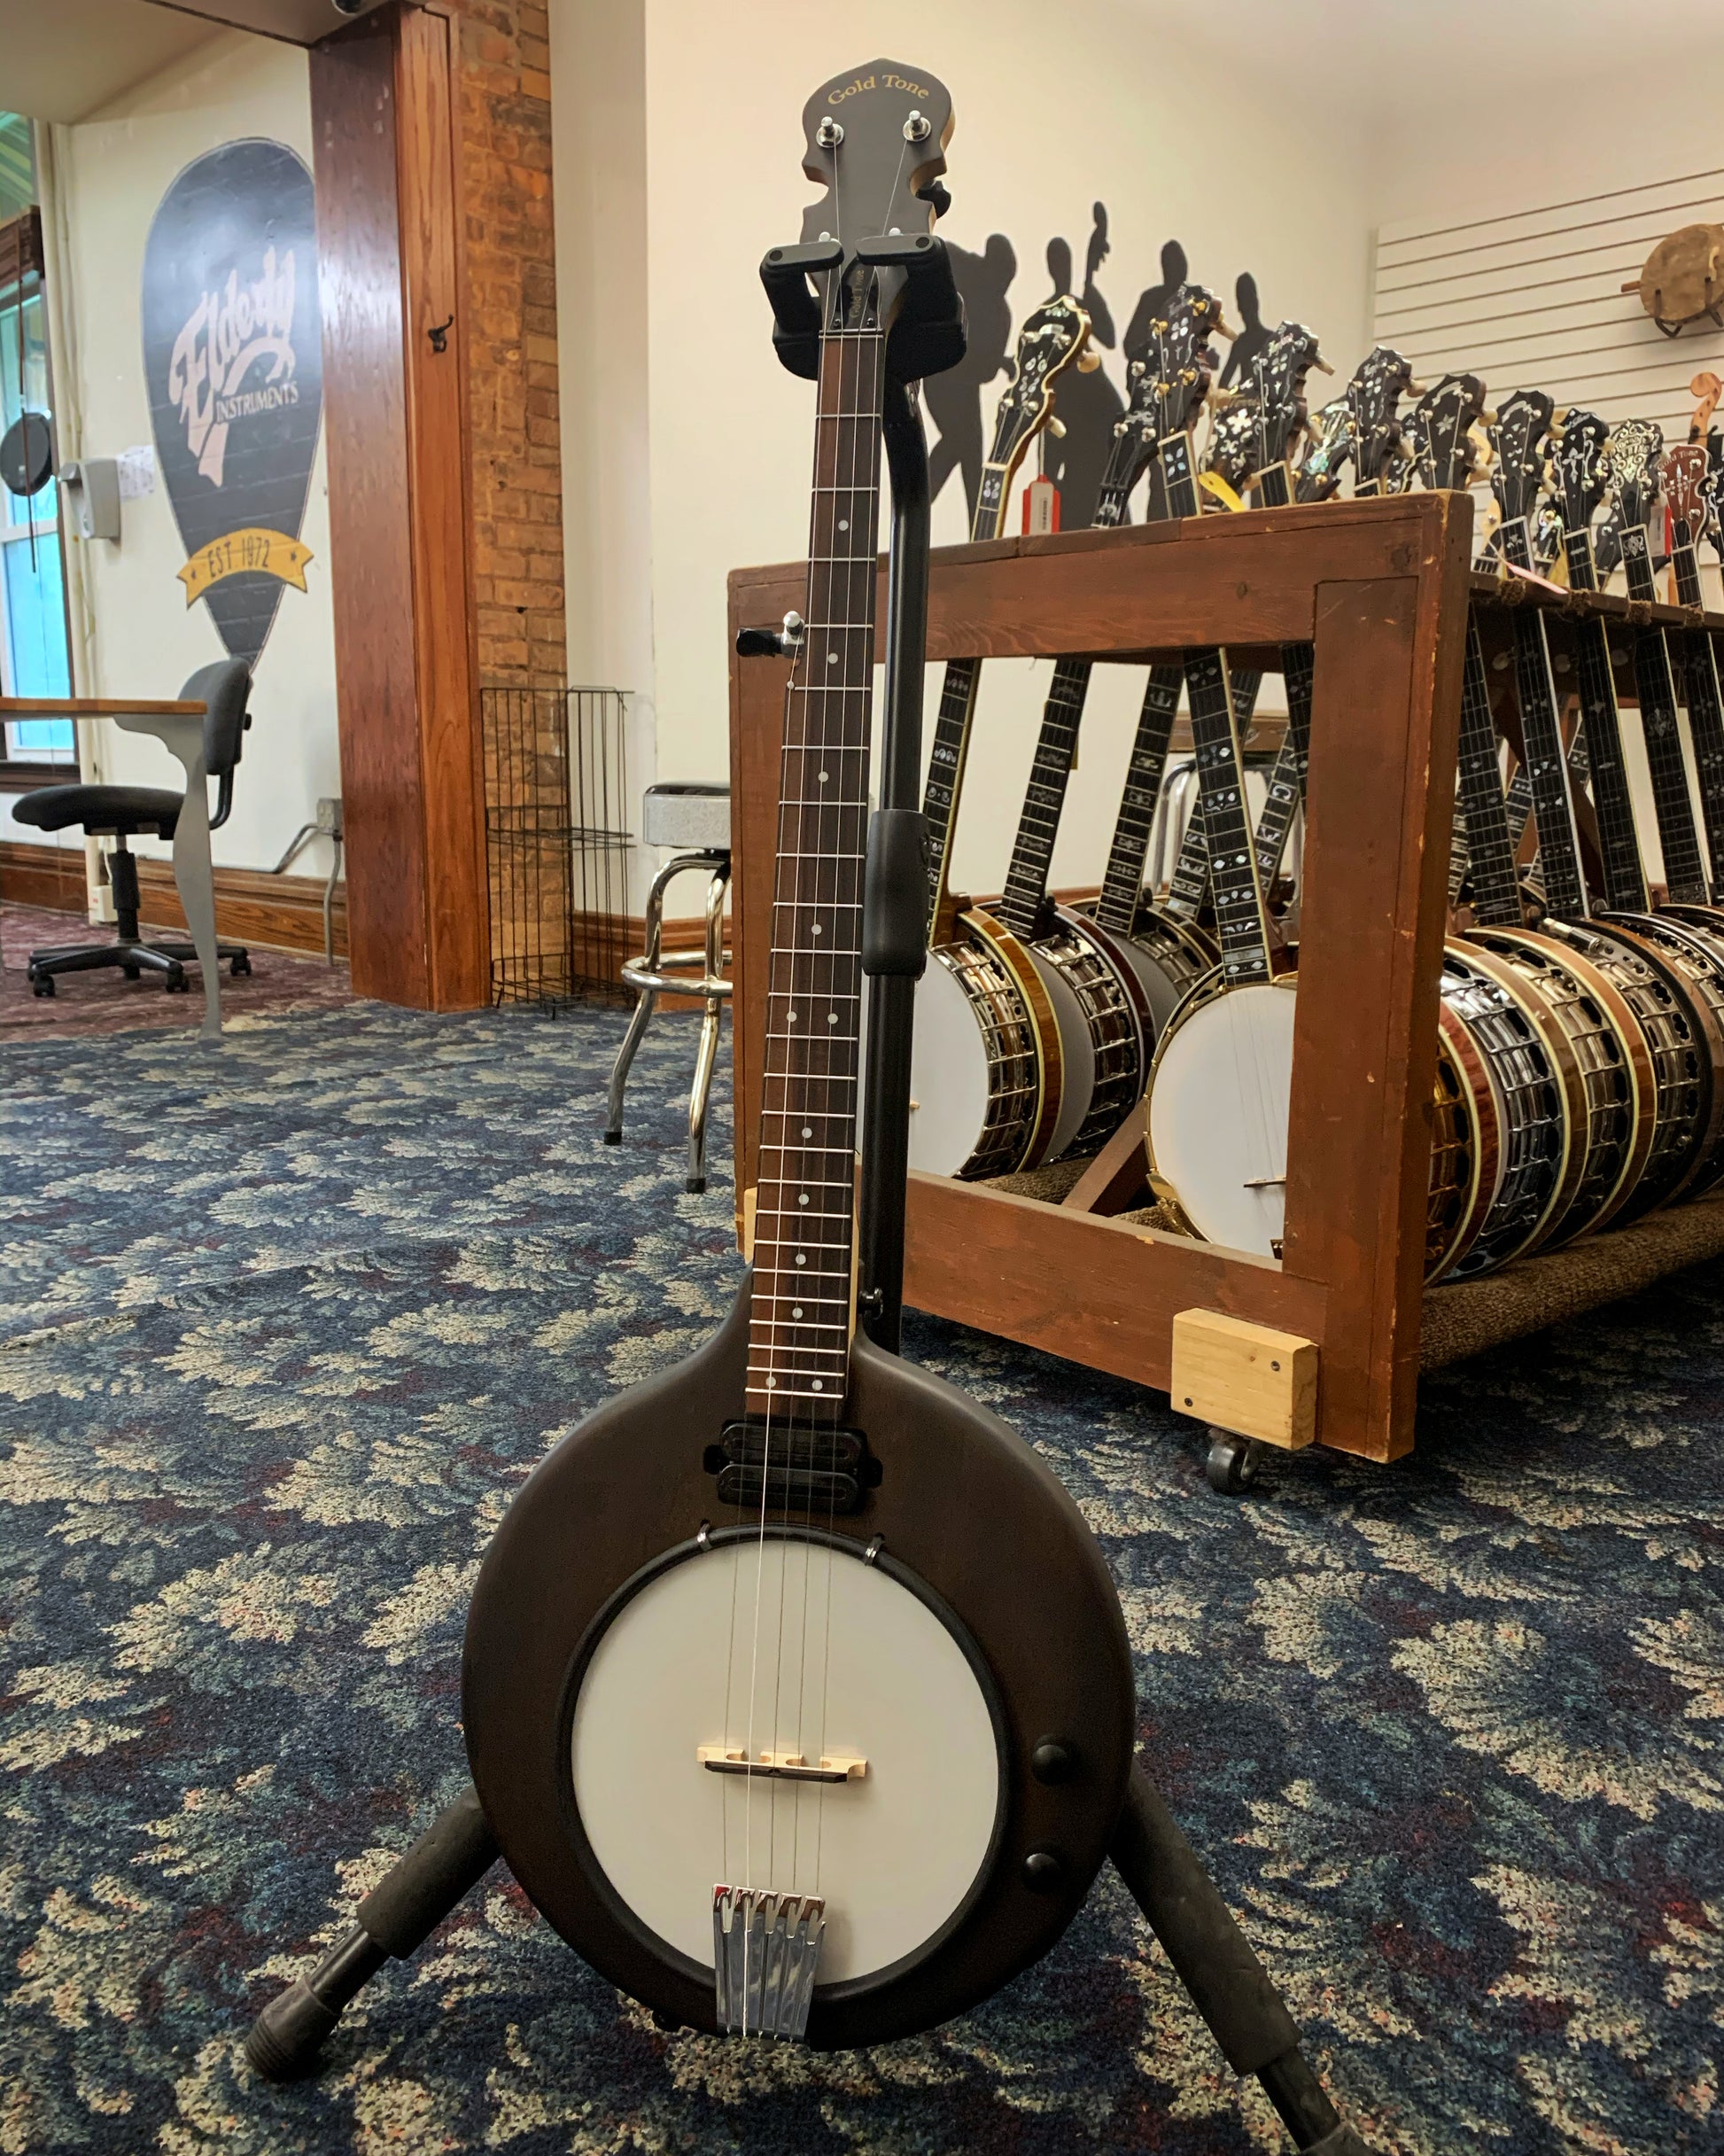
(696, 819)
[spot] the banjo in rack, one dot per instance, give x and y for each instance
(988, 1078)
(1657, 978)
(1218, 1094)
(1686, 479)
(1165, 944)
(1094, 980)
(1596, 1129)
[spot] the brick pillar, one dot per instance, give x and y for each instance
(511, 339)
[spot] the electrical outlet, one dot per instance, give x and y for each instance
(329, 818)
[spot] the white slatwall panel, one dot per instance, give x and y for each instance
(1532, 299)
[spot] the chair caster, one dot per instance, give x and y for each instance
(176, 985)
(42, 984)
(132, 973)
(613, 1138)
(1233, 1462)
(239, 966)
(696, 1184)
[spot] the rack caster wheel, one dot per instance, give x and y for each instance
(237, 966)
(1233, 1463)
(42, 984)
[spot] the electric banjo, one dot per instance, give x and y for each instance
(797, 1692)
(988, 1069)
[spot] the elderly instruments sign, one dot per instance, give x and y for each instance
(233, 359)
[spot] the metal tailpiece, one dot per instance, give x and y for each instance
(765, 1947)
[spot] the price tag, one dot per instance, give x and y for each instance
(1041, 508)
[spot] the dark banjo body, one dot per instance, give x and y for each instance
(965, 1509)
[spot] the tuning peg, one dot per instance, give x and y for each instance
(937, 195)
(1088, 359)
(1416, 389)
(1321, 365)
(1056, 426)
(1222, 329)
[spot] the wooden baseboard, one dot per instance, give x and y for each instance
(275, 913)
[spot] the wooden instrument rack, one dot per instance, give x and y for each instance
(1381, 589)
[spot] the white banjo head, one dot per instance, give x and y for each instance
(787, 1646)
(1218, 1116)
(949, 1076)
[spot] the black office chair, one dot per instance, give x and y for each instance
(122, 812)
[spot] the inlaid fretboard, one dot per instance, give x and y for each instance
(1122, 882)
(1684, 871)
(1546, 766)
(1489, 852)
(1025, 890)
(1241, 920)
(1619, 842)
(800, 1314)
(1287, 781)
(951, 726)
(1704, 699)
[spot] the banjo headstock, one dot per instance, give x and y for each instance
(1184, 361)
(1516, 443)
(1231, 452)
(1686, 490)
(1631, 469)
(1277, 386)
(1441, 428)
(1577, 466)
(1373, 400)
(1052, 338)
(874, 139)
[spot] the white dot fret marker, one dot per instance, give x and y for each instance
(790, 1017)
(831, 1018)
(832, 658)
(801, 1260)
(823, 778)
(843, 524)
(771, 1384)
(802, 1200)
(796, 1310)
(817, 928)
(807, 1130)
(818, 1386)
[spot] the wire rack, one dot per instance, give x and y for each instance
(557, 843)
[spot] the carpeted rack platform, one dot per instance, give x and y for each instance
(286, 1321)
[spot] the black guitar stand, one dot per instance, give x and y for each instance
(1210, 1955)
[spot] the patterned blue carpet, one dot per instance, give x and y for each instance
(284, 1325)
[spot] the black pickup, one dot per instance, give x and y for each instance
(815, 1472)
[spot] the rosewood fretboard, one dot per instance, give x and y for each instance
(800, 1317)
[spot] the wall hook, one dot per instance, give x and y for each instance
(439, 336)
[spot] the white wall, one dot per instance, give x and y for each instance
(1051, 115)
(143, 640)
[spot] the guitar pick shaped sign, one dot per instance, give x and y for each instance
(233, 359)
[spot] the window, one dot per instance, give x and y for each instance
(32, 641)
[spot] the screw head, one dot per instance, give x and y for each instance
(1052, 1761)
(1042, 1872)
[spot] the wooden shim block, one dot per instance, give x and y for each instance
(1246, 1378)
(745, 1225)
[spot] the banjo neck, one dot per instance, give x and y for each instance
(801, 1309)
(1547, 766)
(1024, 896)
(1241, 917)
(1619, 842)
(1053, 338)
(1686, 472)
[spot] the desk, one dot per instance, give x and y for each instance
(179, 727)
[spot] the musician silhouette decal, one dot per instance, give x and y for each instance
(1089, 405)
